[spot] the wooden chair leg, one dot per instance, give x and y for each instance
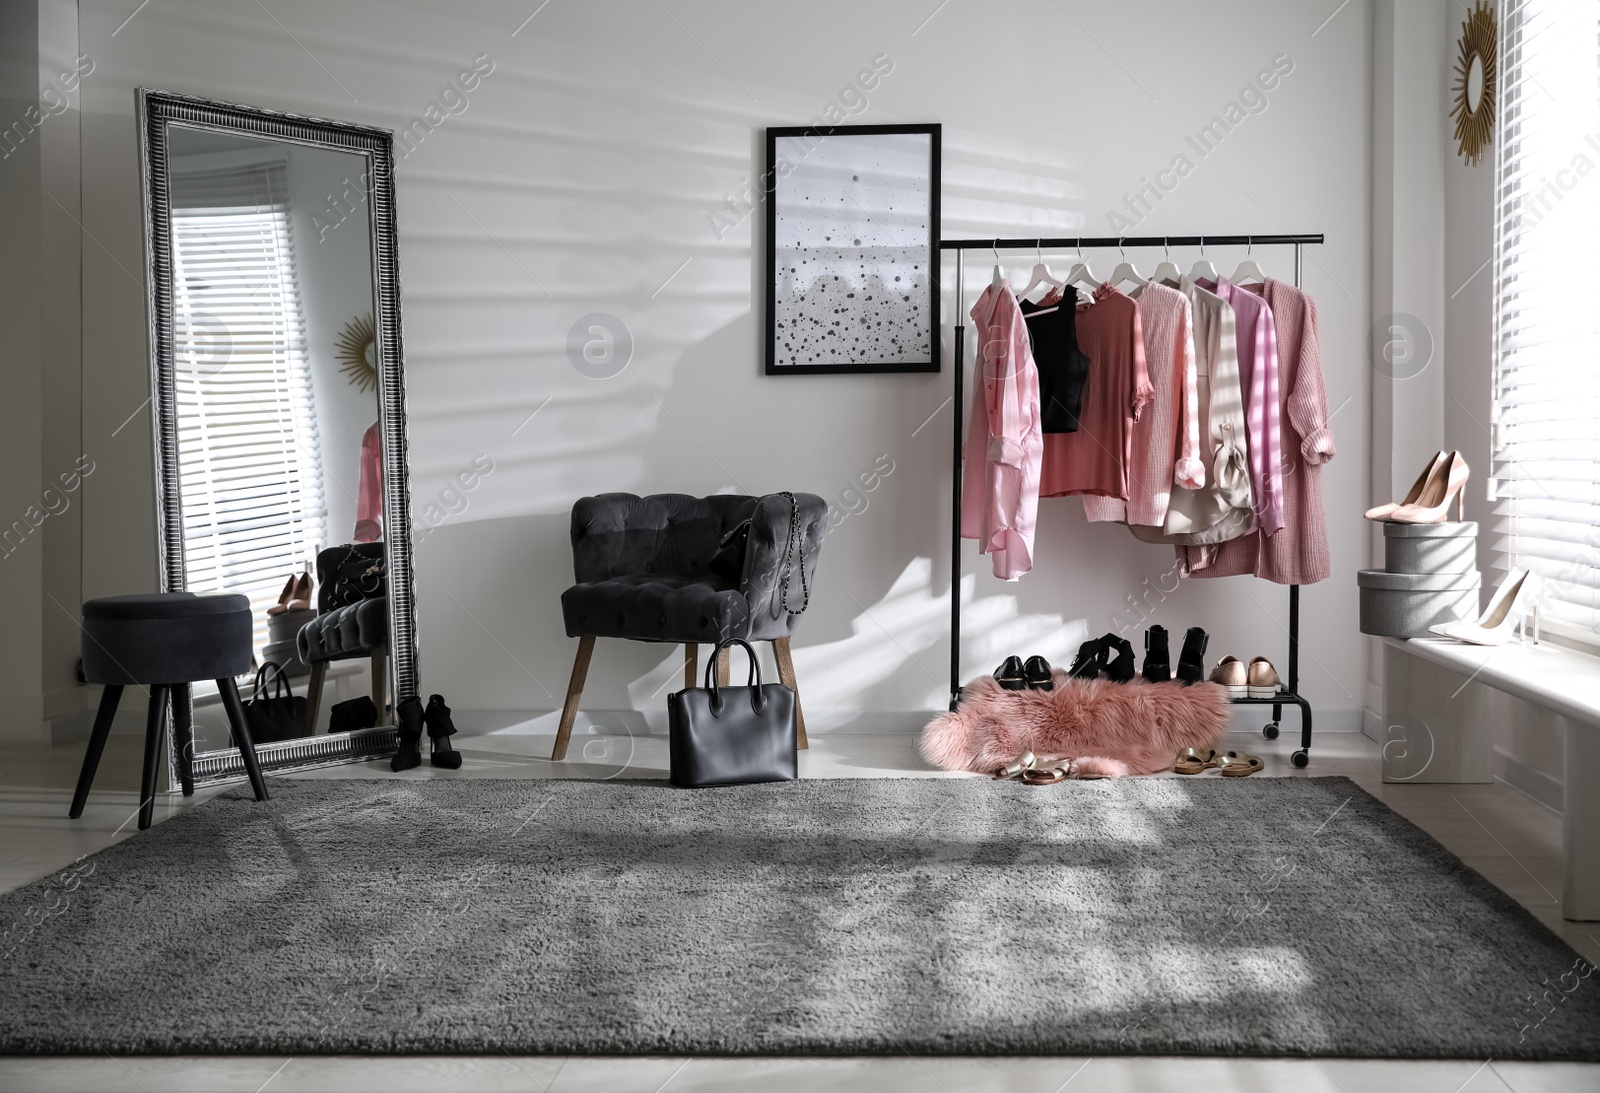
(241, 733)
(780, 653)
(155, 732)
(183, 735)
(691, 665)
(724, 662)
(319, 673)
(380, 683)
(97, 744)
(569, 711)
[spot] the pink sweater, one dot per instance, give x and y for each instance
(1164, 446)
(1298, 554)
(1000, 473)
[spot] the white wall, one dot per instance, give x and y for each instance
(582, 178)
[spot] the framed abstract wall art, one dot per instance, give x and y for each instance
(852, 249)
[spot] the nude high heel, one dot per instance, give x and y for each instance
(1515, 600)
(1384, 512)
(1445, 483)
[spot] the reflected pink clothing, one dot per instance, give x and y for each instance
(1000, 475)
(369, 491)
(1258, 380)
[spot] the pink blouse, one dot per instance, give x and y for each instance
(1000, 473)
(369, 488)
(1164, 447)
(1258, 376)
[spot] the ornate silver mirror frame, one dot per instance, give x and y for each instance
(157, 110)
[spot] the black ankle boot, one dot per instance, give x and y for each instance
(1121, 669)
(1157, 657)
(1009, 675)
(408, 720)
(1090, 659)
(1192, 661)
(440, 730)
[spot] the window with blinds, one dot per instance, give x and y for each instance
(247, 436)
(1545, 482)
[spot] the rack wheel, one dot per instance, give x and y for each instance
(1270, 730)
(1300, 758)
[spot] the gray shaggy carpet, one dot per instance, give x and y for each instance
(1255, 916)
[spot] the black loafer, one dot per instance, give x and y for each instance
(1010, 675)
(1037, 673)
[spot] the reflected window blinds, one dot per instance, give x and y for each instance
(251, 482)
(1545, 484)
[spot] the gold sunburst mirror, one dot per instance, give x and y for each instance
(1476, 77)
(358, 353)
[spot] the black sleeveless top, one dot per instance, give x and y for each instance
(1063, 368)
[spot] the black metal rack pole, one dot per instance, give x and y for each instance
(1292, 695)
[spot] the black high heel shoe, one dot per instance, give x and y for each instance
(408, 720)
(1192, 661)
(1120, 670)
(1157, 657)
(1037, 673)
(1010, 675)
(440, 730)
(1090, 659)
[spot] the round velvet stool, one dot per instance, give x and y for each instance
(165, 641)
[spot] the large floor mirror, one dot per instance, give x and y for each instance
(279, 416)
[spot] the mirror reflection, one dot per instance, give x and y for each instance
(279, 445)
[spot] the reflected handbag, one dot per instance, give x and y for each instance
(723, 736)
(359, 571)
(275, 716)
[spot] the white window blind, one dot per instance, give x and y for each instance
(247, 436)
(1545, 481)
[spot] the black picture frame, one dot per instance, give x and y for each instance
(773, 184)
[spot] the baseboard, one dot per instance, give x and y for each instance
(1543, 788)
(654, 722)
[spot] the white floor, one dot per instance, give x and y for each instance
(1511, 839)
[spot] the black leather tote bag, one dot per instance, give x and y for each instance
(723, 736)
(275, 716)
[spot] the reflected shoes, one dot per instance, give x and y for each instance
(296, 595)
(440, 730)
(1515, 599)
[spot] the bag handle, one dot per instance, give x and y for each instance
(753, 681)
(283, 688)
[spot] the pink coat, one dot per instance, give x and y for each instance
(1000, 475)
(369, 490)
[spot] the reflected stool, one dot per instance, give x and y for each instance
(165, 641)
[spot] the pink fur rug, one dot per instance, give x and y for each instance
(1110, 729)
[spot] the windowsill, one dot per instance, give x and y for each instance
(1554, 676)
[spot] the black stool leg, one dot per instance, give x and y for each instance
(183, 736)
(241, 733)
(155, 732)
(97, 744)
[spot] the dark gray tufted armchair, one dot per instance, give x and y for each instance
(643, 570)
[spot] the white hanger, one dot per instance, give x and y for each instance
(1166, 271)
(1203, 270)
(1125, 270)
(1041, 276)
(999, 270)
(1248, 270)
(1081, 274)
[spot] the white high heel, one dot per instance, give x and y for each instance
(1447, 481)
(1515, 599)
(1383, 513)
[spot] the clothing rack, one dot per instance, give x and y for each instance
(1283, 698)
